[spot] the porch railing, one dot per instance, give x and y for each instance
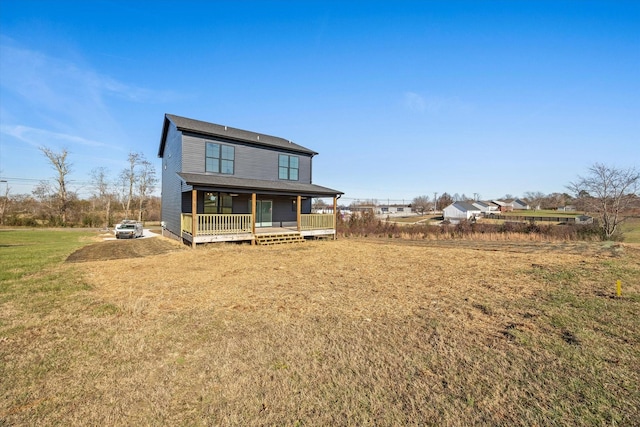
(316, 221)
(214, 224)
(186, 223)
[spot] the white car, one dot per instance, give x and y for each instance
(128, 230)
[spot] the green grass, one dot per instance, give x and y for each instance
(30, 261)
(631, 230)
(542, 213)
(593, 336)
(26, 251)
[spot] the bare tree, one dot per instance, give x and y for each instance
(102, 189)
(147, 180)
(534, 198)
(128, 180)
(62, 166)
(421, 204)
(607, 191)
(319, 205)
(4, 201)
(444, 201)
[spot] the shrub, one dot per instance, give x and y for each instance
(366, 224)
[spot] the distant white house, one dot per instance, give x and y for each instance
(485, 207)
(461, 210)
(520, 205)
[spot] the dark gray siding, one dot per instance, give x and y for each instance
(283, 210)
(250, 162)
(171, 182)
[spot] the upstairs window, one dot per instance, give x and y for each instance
(219, 158)
(288, 167)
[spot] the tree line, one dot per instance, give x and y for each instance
(127, 195)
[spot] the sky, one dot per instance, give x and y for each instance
(399, 98)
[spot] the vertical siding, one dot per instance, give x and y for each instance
(251, 162)
(171, 182)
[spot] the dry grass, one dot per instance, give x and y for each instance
(351, 332)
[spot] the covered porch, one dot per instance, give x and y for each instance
(225, 227)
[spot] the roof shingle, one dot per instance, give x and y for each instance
(215, 130)
(239, 184)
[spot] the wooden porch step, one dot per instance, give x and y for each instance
(278, 238)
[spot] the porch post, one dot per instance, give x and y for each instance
(298, 210)
(253, 217)
(335, 217)
(194, 217)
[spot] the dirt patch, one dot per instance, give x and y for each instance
(124, 249)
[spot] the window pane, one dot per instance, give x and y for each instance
(226, 200)
(227, 152)
(293, 162)
(227, 166)
(213, 150)
(283, 161)
(283, 173)
(293, 174)
(212, 165)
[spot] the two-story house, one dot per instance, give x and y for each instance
(223, 184)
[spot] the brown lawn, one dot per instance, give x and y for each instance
(347, 332)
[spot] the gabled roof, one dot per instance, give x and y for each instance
(465, 206)
(250, 185)
(480, 203)
(213, 130)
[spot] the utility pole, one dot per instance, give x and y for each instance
(435, 201)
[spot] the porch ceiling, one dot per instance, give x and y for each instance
(243, 185)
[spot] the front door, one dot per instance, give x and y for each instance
(264, 209)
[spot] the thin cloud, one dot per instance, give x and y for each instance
(67, 97)
(45, 80)
(42, 137)
(415, 102)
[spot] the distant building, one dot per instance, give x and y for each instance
(461, 211)
(394, 210)
(485, 207)
(519, 204)
(503, 206)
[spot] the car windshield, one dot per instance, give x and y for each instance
(127, 227)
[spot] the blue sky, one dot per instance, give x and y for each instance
(400, 98)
